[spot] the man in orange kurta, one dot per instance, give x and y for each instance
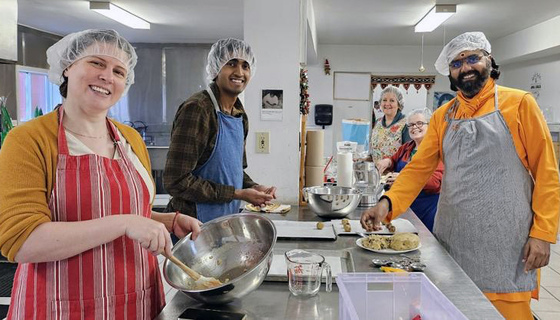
(499, 142)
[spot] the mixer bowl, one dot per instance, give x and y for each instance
(235, 247)
(332, 201)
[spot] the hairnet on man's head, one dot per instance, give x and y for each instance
(225, 50)
(397, 92)
(463, 42)
(93, 42)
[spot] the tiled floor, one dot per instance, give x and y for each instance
(548, 307)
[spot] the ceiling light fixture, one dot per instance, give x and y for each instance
(118, 14)
(436, 16)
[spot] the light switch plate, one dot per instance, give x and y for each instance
(263, 142)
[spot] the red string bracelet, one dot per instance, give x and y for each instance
(174, 221)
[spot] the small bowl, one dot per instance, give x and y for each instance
(236, 247)
(332, 201)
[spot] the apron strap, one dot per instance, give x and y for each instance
(117, 139)
(496, 97)
(213, 98)
(63, 142)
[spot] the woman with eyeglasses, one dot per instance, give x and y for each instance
(425, 205)
(388, 132)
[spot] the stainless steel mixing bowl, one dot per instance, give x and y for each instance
(236, 249)
(332, 202)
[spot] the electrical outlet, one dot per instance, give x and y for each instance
(263, 142)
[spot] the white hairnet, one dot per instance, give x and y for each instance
(427, 113)
(463, 42)
(226, 49)
(397, 92)
(78, 45)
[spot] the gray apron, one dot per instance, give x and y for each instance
(484, 211)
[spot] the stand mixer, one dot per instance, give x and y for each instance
(367, 180)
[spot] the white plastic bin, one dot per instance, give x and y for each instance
(392, 296)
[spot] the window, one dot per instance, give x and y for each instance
(34, 90)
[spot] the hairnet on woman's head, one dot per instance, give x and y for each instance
(463, 42)
(397, 92)
(76, 46)
(427, 113)
(226, 49)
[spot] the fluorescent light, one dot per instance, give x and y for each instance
(436, 16)
(118, 14)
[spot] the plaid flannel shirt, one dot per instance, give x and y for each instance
(193, 138)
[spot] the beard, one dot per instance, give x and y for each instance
(471, 88)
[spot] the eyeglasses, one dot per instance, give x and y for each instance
(418, 124)
(472, 59)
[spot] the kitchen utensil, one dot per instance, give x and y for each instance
(332, 202)
(200, 281)
(367, 179)
(381, 262)
(403, 262)
(417, 266)
(304, 272)
(236, 249)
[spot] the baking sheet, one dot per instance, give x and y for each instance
(303, 229)
(339, 260)
(401, 225)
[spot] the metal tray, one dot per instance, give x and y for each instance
(340, 261)
(288, 229)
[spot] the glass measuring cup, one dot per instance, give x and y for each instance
(305, 270)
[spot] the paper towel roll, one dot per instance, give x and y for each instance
(344, 166)
(315, 148)
(313, 176)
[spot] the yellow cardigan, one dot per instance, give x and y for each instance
(28, 161)
(533, 145)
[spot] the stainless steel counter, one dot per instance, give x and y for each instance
(272, 300)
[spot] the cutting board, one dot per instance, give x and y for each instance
(339, 260)
(402, 225)
(303, 229)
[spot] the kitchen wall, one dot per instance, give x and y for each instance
(275, 39)
(32, 47)
(8, 30)
(530, 60)
(166, 75)
(379, 60)
(540, 76)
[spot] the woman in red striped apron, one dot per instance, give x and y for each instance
(80, 222)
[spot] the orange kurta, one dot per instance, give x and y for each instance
(533, 145)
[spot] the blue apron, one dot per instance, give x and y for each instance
(225, 165)
(425, 205)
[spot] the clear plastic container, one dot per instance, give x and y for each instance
(392, 296)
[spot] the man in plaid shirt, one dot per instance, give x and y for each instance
(205, 165)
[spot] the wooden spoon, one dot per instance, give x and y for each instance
(201, 281)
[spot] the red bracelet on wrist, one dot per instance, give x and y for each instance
(174, 220)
